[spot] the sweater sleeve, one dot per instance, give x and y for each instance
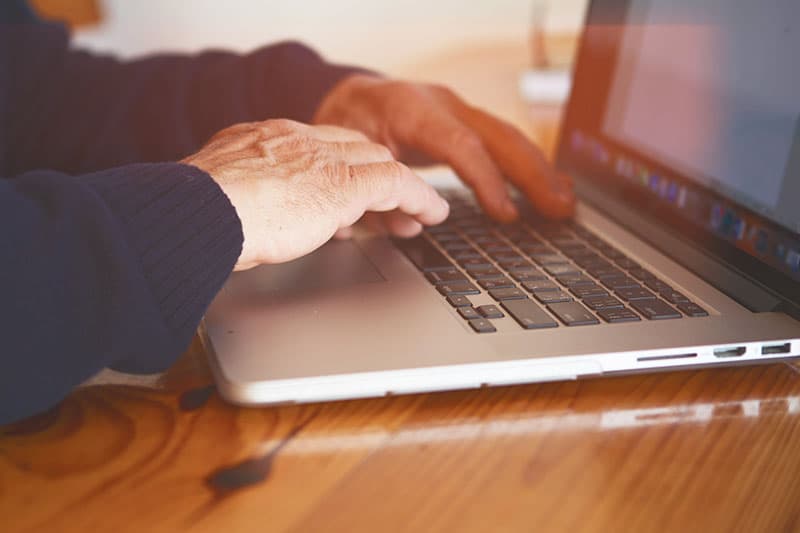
(80, 112)
(114, 268)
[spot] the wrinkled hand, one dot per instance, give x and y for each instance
(293, 186)
(483, 150)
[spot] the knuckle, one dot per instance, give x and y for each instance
(465, 139)
(279, 125)
(444, 92)
(383, 151)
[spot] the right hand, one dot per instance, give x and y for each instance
(294, 186)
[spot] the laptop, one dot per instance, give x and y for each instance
(682, 133)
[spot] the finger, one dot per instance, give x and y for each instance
(328, 133)
(374, 221)
(400, 224)
(344, 233)
(446, 138)
(360, 153)
(391, 185)
(523, 163)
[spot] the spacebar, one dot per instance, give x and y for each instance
(528, 314)
(423, 254)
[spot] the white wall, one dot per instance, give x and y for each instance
(378, 34)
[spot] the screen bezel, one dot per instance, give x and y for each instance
(595, 62)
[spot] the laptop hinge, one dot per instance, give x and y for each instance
(742, 288)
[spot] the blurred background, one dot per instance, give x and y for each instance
(345, 30)
(481, 48)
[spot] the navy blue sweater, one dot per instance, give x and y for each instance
(109, 252)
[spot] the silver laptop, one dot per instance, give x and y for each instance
(683, 135)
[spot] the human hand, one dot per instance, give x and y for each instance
(293, 186)
(482, 149)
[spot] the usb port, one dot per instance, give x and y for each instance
(736, 351)
(774, 349)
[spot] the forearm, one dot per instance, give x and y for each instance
(108, 269)
(79, 112)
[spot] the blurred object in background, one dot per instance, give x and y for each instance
(74, 13)
(554, 28)
(554, 33)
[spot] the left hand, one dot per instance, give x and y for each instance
(483, 150)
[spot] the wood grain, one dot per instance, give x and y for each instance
(703, 450)
(709, 450)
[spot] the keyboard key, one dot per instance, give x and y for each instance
(620, 283)
(468, 312)
(658, 285)
(516, 264)
(496, 283)
(626, 263)
(552, 297)
(553, 231)
(641, 274)
(655, 310)
(457, 288)
(587, 291)
(453, 246)
(548, 259)
(447, 236)
(502, 257)
(692, 309)
(560, 270)
(440, 229)
(607, 273)
(578, 253)
(614, 316)
(470, 253)
(540, 285)
(674, 297)
(527, 242)
(592, 261)
(484, 273)
(573, 314)
(575, 280)
(497, 248)
(584, 233)
(529, 274)
(528, 314)
(633, 294)
(507, 294)
(423, 254)
(568, 243)
(490, 311)
(598, 303)
(475, 231)
(481, 325)
(473, 263)
(532, 248)
(458, 300)
(445, 276)
(610, 251)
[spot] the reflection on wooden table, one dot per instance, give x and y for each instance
(700, 450)
(695, 450)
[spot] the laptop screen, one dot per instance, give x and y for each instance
(693, 110)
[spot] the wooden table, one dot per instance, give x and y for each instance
(703, 450)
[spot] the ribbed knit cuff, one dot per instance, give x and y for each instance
(183, 228)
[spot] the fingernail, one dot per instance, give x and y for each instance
(509, 209)
(445, 204)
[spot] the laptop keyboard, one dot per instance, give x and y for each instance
(542, 274)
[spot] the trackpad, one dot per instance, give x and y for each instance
(335, 265)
